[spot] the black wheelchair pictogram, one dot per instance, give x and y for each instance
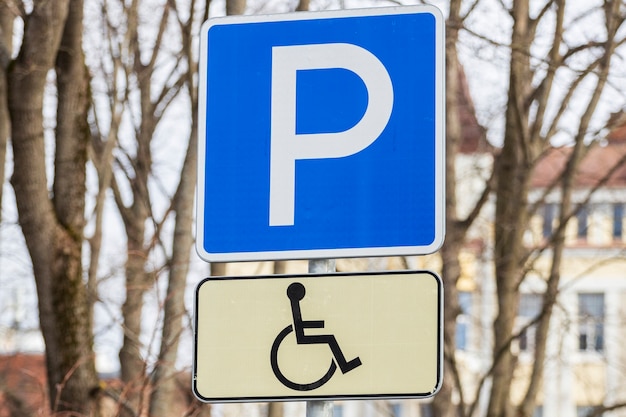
(296, 292)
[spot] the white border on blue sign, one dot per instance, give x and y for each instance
(439, 140)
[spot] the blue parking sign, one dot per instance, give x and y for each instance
(321, 135)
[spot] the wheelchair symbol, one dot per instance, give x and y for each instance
(296, 292)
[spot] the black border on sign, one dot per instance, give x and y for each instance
(300, 397)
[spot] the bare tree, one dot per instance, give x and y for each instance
(154, 98)
(528, 132)
(182, 239)
(457, 106)
(138, 63)
(142, 76)
(160, 388)
(530, 126)
(53, 226)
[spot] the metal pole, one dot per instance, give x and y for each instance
(321, 266)
(320, 408)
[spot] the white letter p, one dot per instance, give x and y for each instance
(287, 146)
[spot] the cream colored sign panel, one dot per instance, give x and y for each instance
(373, 335)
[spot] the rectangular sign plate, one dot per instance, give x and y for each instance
(321, 135)
(331, 336)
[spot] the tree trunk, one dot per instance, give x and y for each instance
(138, 278)
(174, 310)
(612, 22)
(511, 221)
(455, 235)
(513, 171)
(53, 230)
(303, 6)
(442, 403)
(137, 282)
(235, 7)
(7, 17)
(69, 291)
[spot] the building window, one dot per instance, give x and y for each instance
(529, 309)
(586, 411)
(463, 320)
(582, 215)
(618, 215)
(591, 322)
(549, 213)
(426, 410)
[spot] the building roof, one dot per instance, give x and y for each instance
(22, 385)
(23, 390)
(473, 139)
(604, 164)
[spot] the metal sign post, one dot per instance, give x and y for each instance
(320, 408)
